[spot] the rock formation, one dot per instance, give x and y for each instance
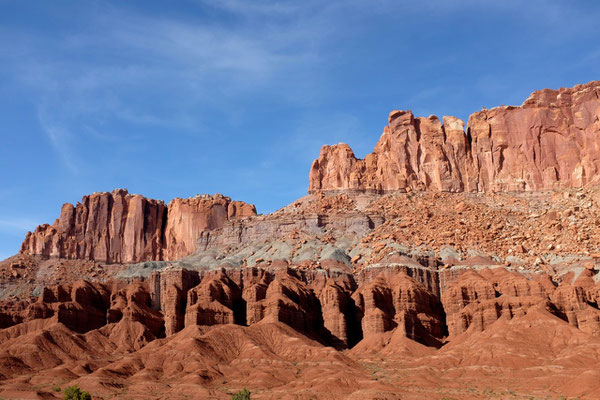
(477, 300)
(112, 227)
(119, 227)
(449, 279)
(404, 311)
(188, 218)
(335, 307)
(552, 141)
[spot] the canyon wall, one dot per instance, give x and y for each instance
(341, 309)
(120, 227)
(338, 309)
(187, 219)
(552, 141)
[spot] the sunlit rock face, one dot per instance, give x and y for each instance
(119, 227)
(551, 141)
(112, 227)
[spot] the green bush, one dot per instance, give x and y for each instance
(74, 393)
(242, 395)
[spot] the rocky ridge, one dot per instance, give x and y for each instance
(551, 141)
(338, 308)
(118, 227)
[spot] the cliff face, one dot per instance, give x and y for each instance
(210, 327)
(188, 218)
(552, 141)
(120, 227)
(340, 309)
(113, 227)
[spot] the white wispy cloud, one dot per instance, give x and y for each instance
(59, 139)
(196, 66)
(257, 7)
(174, 72)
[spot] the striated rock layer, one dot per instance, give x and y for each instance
(188, 218)
(551, 141)
(119, 227)
(114, 227)
(332, 306)
(212, 332)
(336, 308)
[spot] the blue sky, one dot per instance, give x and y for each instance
(237, 97)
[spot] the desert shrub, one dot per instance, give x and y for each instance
(74, 393)
(242, 395)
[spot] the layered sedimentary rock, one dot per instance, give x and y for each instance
(188, 218)
(476, 300)
(85, 306)
(551, 141)
(119, 227)
(214, 301)
(330, 306)
(105, 334)
(169, 294)
(391, 278)
(112, 227)
(399, 302)
(131, 318)
(81, 306)
(337, 309)
(576, 300)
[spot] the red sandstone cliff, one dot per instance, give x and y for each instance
(120, 227)
(551, 141)
(113, 227)
(187, 218)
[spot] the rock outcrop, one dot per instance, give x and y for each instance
(214, 301)
(551, 141)
(169, 294)
(476, 300)
(400, 303)
(119, 227)
(385, 312)
(112, 227)
(328, 305)
(188, 218)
